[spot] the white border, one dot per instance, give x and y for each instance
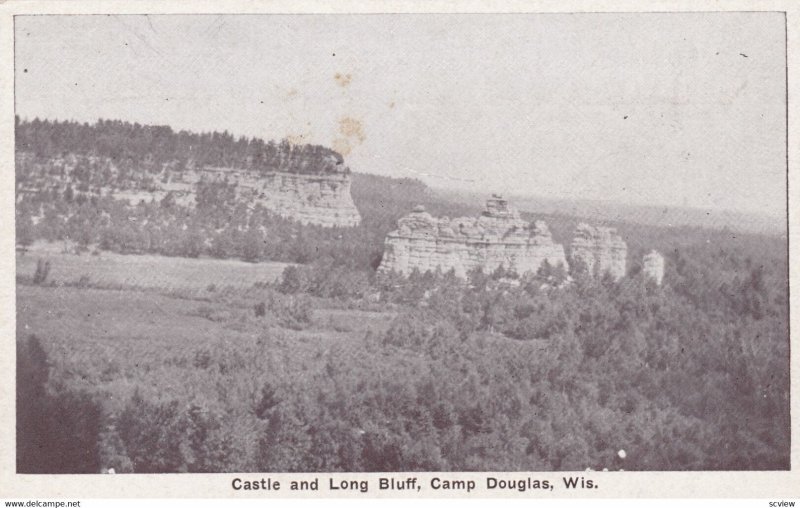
(771, 485)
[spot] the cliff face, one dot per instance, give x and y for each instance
(497, 237)
(600, 250)
(322, 200)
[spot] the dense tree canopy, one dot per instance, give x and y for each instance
(154, 147)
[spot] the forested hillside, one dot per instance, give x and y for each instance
(693, 375)
(219, 225)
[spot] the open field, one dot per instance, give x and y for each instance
(111, 270)
(113, 341)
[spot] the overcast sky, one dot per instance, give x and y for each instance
(672, 109)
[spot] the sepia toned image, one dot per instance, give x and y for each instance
(401, 243)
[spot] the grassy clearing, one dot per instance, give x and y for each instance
(111, 341)
(112, 322)
(110, 270)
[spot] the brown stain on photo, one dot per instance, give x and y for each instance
(352, 128)
(352, 134)
(298, 139)
(342, 146)
(343, 79)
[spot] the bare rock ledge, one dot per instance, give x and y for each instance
(497, 237)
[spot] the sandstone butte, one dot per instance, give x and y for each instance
(599, 250)
(653, 266)
(497, 237)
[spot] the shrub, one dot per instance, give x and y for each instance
(42, 271)
(260, 309)
(291, 281)
(296, 313)
(202, 359)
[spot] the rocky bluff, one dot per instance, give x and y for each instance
(599, 250)
(324, 200)
(497, 237)
(321, 199)
(311, 192)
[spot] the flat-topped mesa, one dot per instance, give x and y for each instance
(599, 250)
(497, 237)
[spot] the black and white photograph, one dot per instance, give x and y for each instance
(402, 243)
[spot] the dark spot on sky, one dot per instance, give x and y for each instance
(334, 54)
(625, 117)
(25, 70)
(744, 55)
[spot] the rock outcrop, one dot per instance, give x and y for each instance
(320, 195)
(497, 237)
(653, 266)
(321, 199)
(599, 250)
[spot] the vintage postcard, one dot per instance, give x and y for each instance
(407, 250)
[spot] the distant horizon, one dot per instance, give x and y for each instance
(510, 196)
(561, 106)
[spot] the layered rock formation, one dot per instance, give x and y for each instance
(319, 196)
(653, 266)
(599, 250)
(322, 200)
(497, 237)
